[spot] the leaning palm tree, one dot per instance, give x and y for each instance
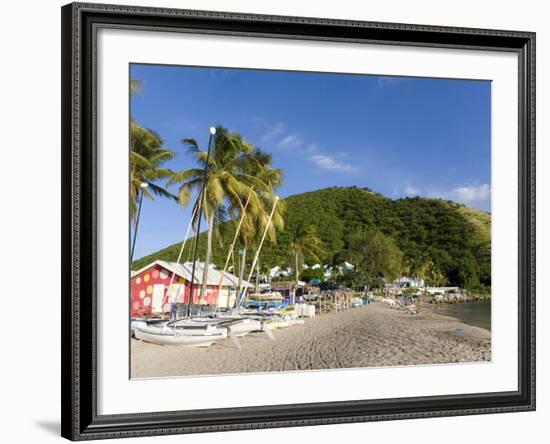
(304, 243)
(227, 183)
(147, 154)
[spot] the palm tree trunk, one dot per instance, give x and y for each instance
(297, 273)
(202, 299)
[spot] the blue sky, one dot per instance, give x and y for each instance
(398, 136)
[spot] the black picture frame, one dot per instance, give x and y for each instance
(80, 420)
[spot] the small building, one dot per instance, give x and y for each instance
(155, 287)
(408, 282)
(279, 272)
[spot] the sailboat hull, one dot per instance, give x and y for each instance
(246, 326)
(184, 337)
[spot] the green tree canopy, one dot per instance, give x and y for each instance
(305, 243)
(374, 255)
(441, 241)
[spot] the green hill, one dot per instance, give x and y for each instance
(455, 238)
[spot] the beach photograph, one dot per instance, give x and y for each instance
(298, 221)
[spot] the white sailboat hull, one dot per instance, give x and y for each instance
(190, 337)
(246, 326)
(239, 327)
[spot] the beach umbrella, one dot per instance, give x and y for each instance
(315, 282)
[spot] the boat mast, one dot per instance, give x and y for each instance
(257, 255)
(201, 197)
(232, 246)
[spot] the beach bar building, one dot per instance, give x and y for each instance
(157, 286)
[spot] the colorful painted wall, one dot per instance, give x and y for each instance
(149, 290)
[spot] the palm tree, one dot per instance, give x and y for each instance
(304, 243)
(147, 155)
(434, 275)
(335, 263)
(258, 165)
(228, 183)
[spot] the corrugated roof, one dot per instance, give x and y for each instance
(184, 270)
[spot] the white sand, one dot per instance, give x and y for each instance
(373, 335)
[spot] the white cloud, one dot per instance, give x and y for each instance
(411, 191)
(290, 141)
(278, 135)
(468, 194)
(473, 193)
(328, 163)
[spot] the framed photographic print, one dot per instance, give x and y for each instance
(280, 221)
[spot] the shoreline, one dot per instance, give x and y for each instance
(370, 336)
(459, 311)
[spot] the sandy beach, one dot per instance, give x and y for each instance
(373, 335)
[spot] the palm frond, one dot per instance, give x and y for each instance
(140, 161)
(184, 195)
(160, 191)
(185, 175)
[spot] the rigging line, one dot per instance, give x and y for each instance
(257, 255)
(232, 246)
(181, 250)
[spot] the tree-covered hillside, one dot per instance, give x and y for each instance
(443, 236)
